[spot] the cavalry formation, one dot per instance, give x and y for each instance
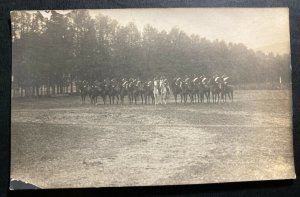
(157, 91)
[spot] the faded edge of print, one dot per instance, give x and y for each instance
(138, 97)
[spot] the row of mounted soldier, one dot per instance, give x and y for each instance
(157, 91)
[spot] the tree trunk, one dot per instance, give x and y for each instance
(53, 89)
(61, 91)
(71, 81)
(37, 90)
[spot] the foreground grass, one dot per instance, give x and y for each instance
(75, 145)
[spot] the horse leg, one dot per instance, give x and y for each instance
(215, 98)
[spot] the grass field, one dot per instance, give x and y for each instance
(57, 142)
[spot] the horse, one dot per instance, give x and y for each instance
(148, 92)
(93, 94)
(103, 90)
(207, 93)
(123, 91)
(131, 87)
(156, 91)
(193, 90)
(226, 90)
(176, 88)
(140, 91)
(83, 88)
(215, 88)
(204, 91)
(164, 90)
(114, 91)
(184, 92)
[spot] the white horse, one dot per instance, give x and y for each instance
(164, 91)
(156, 91)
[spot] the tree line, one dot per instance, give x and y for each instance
(51, 53)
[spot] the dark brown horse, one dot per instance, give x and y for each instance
(123, 91)
(184, 92)
(226, 90)
(93, 93)
(215, 88)
(148, 92)
(193, 89)
(83, 89)
(132, 91)
(114, 92)
(140, 91)
(204, 92)
(175, 87)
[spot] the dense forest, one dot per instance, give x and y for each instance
(50, 53)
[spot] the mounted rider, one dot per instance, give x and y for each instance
(177, 81)
(124, 82)
(156, 84)
(217, 79)
(85, 83)
(225, 79)
(187, 79)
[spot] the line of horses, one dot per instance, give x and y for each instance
(157, 91)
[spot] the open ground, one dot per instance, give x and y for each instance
(58, 142)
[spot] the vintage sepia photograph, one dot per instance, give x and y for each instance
(146, 97)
